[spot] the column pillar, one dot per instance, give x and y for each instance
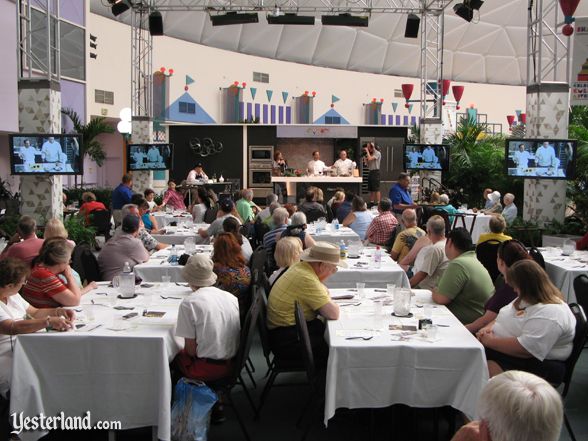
(547, 117)
(431, 133)
(142, 133)
(39, 111)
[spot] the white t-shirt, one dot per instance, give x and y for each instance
(152, 205)
(28, 154)
(521, 159)
(52, 151)
(545, 330)
(315, 168)
(344, 168)
(211, 317)
(15, 308)
(246, 249)
(432, 261)
(545, 156)
(198, 213)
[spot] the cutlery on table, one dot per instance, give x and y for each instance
(165, 298)
(359, 338)
(349, 304)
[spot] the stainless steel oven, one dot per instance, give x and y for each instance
(260, 175)
(260, 154)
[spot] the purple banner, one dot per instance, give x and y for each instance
(382, 120)
(281, 115)
(390, 120)
(257, 111)
(288, 115)
(397, 120)
(265, 113)
(241, 111)
(249, 110)
(273, 114)
(405, 123)
(413, 120)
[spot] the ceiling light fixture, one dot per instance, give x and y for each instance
(120, 6)
(345, 20)
(290, 19)
(233, 18)
(155, 23)
(466, 9)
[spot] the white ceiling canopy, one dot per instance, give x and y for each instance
(489, 50)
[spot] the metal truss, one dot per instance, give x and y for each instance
(31, 65)
(431, 66)
(548, 52)
(141, 61)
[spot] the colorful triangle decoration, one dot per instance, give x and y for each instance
(269, 94)
(284, 96)
(253, 92)
(394, 106)
(189, 80)
(334, 99)
(410, 108)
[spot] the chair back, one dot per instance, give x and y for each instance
(259, 230)
(486, 253)
(246, 338)
(581, 291)
(210, 215)
(390, 242)
(262, 323)
(579, 342)
(100, 220)
(258, 260)
(314, 214)
(85, 263)
(537, 256)
(304, 339)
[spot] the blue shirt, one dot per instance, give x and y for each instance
(362, 221)
(343, 210)
(147, 222)
(400, 195)
(121, 196)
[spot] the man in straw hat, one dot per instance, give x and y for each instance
(303, 283)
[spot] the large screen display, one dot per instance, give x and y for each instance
(541, 158)
(426, 157)
(46, 154)
(149, 156)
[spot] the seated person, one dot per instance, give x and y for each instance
(148, 241)
(509, 252)
(233, 274)
(149, 195)
(510, 211)
(447, 207)
(226, 208)
(89, 205)
(406, 239)
(336, 201)
(297, 228)
(280, 222)
(265, 213)
(24, 244)
(345, 207)
(465, 286)
(288, 251)
(509, 399)
(535, 332)
(304, 282)
(173, 198)
(495, 205)
(245, 206)
(311, 207)
(149, 221)
(55, 228)
(582, 244)
(497, 226)
(124, 247)
(431, 261)
(45, 288)
(202, 203)
(383, 225)
(232, 225)
(359, 219)
(208, 320)
(269, 221)
(19, 317)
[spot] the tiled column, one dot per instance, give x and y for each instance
(142, 134)
(39, 111)
(547, 117)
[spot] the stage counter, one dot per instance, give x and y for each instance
(296, 185)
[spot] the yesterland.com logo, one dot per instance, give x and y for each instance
(46, 423)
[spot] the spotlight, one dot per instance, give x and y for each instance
(120, 6)
(93, 38)
(344, 20)
(466, 9)
(290, 19)
(232, 18)
(155, 23)
(93, 45)
(412, 26)
(93, 55)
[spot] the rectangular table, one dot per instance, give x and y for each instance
(450, 371)
(562, 270)
(481, 226)
(164, 218)
(332, 235)
(157, 265)
(117, 375)
(177, 235)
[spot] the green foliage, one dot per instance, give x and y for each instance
(79, 232)
(102, 194)
(477, 162)
(571, 225)
(96, 126)
(9, 223)
(528, 232)
(577, 191)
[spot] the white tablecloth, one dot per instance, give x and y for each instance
(333, 236)
(116, 375)
(177, 235)
(157, 265)
(562, 270)
(164, 219)
(482, 225)
(450, 371)
(363, 270)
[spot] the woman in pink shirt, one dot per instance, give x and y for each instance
(173, 198)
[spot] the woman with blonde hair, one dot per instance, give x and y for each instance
(55, 228)
(288, 250)
(533, 333)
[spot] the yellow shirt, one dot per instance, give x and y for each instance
(500, 237)
(300, 283)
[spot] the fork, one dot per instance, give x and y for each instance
(360, 338)
(165, 298)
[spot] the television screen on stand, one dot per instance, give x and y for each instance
(51, 154)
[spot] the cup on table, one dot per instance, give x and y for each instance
(431, 331)
(378, 314)
(166, 279)
(391, 289)
(568, 248)
(89, 312)
(428, 311)
(360, 290)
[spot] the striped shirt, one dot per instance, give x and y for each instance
(41, 286)
(270, 238)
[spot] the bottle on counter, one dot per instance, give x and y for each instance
(214, 177)
(221, 179)
(335, 224)
(173, 255)
(377, 258)
(343, 249)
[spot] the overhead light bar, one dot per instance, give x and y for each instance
(120, 6)
(155, 23)
(413, 22)
(344, 20)
(466, 9)
(290, 19)
(233, 18)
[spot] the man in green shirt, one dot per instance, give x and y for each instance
(245, 206)
(465, 285)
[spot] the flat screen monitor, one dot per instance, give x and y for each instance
(149, 156)
(426, 157)
(541, 158)
(32, 154)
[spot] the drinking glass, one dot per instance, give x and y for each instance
(431, 331)
(89, 312)
(360, 290)
(378, 315)
(428, 311)
(165, 279)
(391, 289)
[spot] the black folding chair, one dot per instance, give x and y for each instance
(258, 260)
(100, 220)
(581, 291)
(210, 215)
(486, 253)
(85, 263)
(537, 256)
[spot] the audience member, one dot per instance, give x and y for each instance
(17, 316)
(465, 286)
(121, 196)
(406, 239)
(497, 226)
(535, 332)
(149, 195)
(232, 225)
(124, 247)
(582, 244)
(89, 205)
(485, 199)
(509, 252)
(312, 206)
(291, 209)
(245, 206)
(431, 261)
(149, 242)
(149, 221)
(230, 267)
(447, 207)
(226, 209)
(303, 283)
(201, 204)
(345, 208)
(359, 219)
(55, 228)
(495, 205)
(383, 225)
(297, 228)
(269, 221)
(510, 210)
(516, 406)
(336, 201)
(265, 213)
(44, 287)
(173, 198)
(400, 194)
(280, 222)
(288, 251)
(24, 244)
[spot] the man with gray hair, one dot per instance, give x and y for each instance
(280, 220)
(431, 261)
(408, 236)
(516, 406)
(510, 211)
(265, 213)
(245, 206)
(149, 242)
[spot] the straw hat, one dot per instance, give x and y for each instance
(198, 271)
(323, 252)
